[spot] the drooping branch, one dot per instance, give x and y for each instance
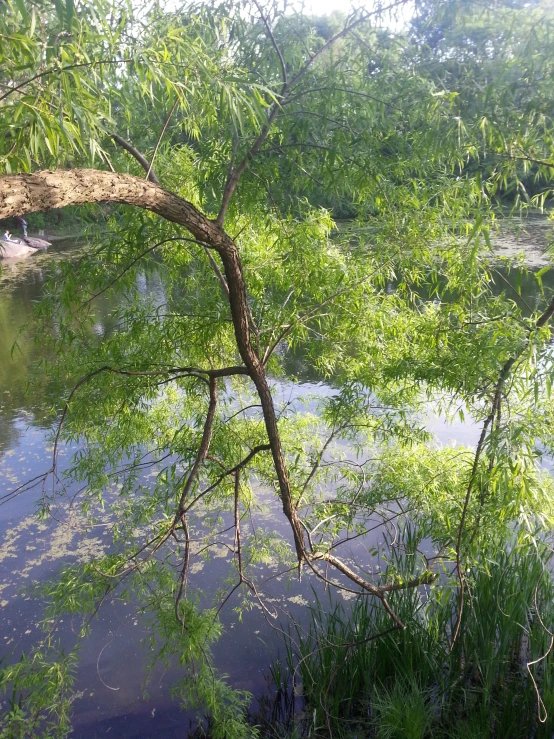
(141, 159)
(494, 410)
(173, 372)
(302, 319)
(238, 546)
(183, 577)
(132, 263)
(181, 515)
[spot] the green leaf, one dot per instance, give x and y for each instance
(60, 9)
(70, 11)
(23, 10)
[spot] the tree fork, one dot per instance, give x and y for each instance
(43, 191)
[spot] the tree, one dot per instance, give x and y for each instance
(249, 120)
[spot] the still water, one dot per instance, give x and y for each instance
(110, 681)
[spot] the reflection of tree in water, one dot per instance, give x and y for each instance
(9, 435)
(16, 301)
(21, 391)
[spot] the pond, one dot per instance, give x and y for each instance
(111, 672)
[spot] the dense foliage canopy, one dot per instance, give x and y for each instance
(295, 197)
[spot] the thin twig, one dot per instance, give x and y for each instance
(495, 408)
(149, 172)
(273, 42)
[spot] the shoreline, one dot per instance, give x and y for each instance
(530, 236)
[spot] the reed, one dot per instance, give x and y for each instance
(411, 684)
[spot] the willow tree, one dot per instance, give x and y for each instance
(224, 135)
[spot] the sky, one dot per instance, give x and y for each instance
(395, 19)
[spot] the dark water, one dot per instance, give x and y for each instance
(111, 674)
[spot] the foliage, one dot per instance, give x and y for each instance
(42, 699)
(264, 118)
(413, 683)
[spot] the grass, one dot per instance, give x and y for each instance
(411, 684)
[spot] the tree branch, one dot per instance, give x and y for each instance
(495, 408)
(138, 258)
(203, 448)
(141, 159)
(160, 137)
(57, 70)
(273, 42)
(233, 181)
(232, 471)
(43, 191)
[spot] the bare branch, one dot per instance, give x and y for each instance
(238, 547)
(215, 266)
(532, 160)
(347, 90)
(203, 448)
(317, 464)
(141, 159)
(166, 124)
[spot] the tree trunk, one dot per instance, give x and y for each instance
(43, 191)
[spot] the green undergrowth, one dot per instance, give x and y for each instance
(359, 678)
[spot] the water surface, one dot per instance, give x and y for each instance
(111, 674)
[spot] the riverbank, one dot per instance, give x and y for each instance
(528, 237)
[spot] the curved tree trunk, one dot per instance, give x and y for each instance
(44, 191)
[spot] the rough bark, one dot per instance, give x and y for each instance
(43, 191)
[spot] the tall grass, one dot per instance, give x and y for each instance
(411, 684)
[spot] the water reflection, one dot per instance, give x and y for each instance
(111, 675)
